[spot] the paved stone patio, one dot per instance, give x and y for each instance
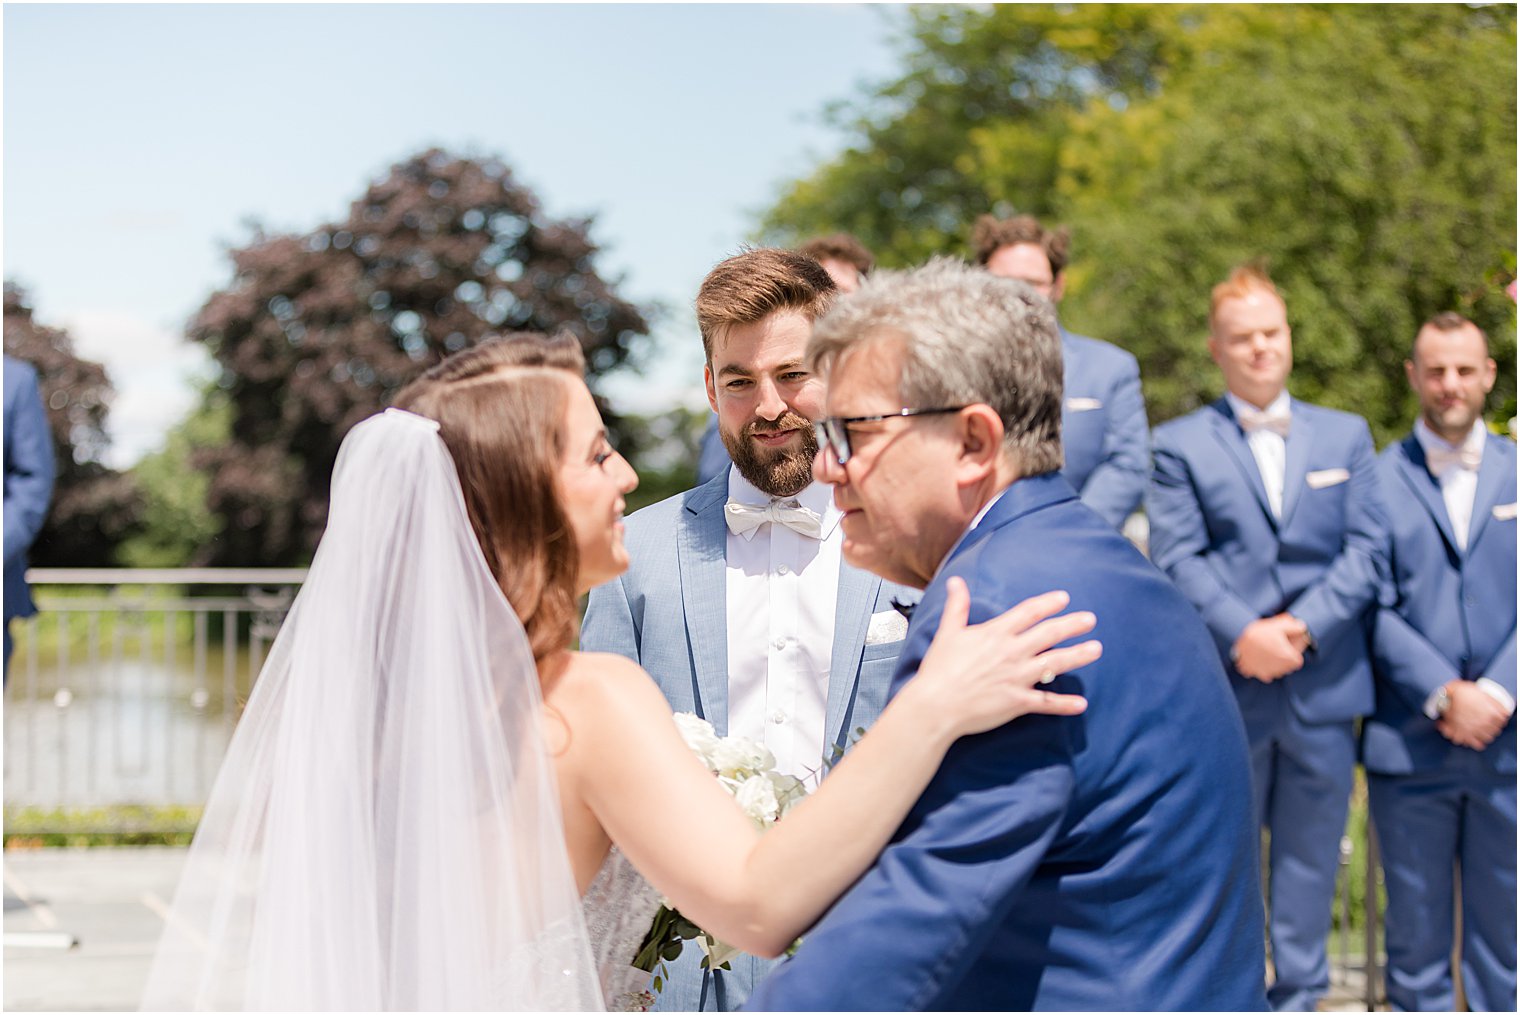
(109, 901)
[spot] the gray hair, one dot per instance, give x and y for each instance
(971, 338)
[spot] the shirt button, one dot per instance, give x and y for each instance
(779, 644)
(778, 717)
(782, 569)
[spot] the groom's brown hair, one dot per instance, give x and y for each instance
(500, 409)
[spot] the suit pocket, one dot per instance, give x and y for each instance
(1322, 478)
(888, 650)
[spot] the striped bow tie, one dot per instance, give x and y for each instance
(1441, 460)
(1252, 420)
(744, 519)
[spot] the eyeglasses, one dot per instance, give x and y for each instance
(834, 432)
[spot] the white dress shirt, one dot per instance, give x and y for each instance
(782, 591)
(1269, 448)
(1459, 487)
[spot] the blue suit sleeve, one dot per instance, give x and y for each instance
(1409, 663)
(1502, 669)
(1179, 545)
(922, 914)
(1333, 607)
(608, 626)
(1115, 487)
(28, 470)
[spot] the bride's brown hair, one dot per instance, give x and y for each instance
(500, 408)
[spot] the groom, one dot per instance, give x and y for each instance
(1101, 861)
(735, 599)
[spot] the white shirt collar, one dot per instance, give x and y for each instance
(1282, 403)
(1428, 438)
(817, 497)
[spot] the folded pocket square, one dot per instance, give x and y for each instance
(886, 627)
(1504, 512)
(1326, 477)
(1079, 404)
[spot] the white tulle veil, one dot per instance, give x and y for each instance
(385, 831)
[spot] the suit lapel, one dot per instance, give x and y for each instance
(1296, 458)
(1411, 459)
(852, 617)
(1229, 434)
(701, 552)
(1492, 475)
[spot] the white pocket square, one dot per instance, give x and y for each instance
(886, 627)
(1079, 404)
(1504, 512)
(1326, 477)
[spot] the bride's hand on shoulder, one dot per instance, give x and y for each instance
(985, 675)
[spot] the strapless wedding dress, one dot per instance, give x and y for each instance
(618, 908)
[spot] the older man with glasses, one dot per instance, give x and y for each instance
(1100, 861)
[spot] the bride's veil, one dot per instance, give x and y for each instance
(385, 831)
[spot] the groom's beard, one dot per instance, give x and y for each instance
(779, 472)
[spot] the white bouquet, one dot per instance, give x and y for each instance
(748, 771)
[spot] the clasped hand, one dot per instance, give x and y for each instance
(989, 674)
(1474, 718)
(1271, 648)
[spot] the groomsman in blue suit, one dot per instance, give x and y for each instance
(1104, 861)
(736, 599)
(28, 485)
(1265, 511)
(1440, 748)
(1103, 427)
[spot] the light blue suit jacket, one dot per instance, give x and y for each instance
(1213, 532)
(1106, 861)
(1447, 613)
(28, 479)
(668, 613)
(1103, 428)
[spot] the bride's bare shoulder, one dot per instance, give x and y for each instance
(605, 685)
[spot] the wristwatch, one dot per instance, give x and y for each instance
(1443, 702)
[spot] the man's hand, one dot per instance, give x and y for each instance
(1474, 718)
(1268, 648)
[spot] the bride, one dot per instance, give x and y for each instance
(432, 802)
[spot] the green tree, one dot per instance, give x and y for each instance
(178, 528)
(1366, 155)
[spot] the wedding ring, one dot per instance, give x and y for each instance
(1046, 675)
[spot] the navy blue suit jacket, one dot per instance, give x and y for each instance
(1103, 861)
(1213, 532)
(1447, 613)
(1103, 428)
(28, 479)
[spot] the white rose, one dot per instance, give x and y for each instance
(699, 736)
(757, 798)
(734, 754)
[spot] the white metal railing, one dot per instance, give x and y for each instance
(125, 688)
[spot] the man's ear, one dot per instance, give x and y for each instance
(981, 433)
(1058, 286)
(711, 386)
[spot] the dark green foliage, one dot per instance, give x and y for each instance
(94, 507)
(1366, 155)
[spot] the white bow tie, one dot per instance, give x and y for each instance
(1252, 420)
(1441, 460)
(744, 519)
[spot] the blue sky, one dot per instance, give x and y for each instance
(138, 140)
